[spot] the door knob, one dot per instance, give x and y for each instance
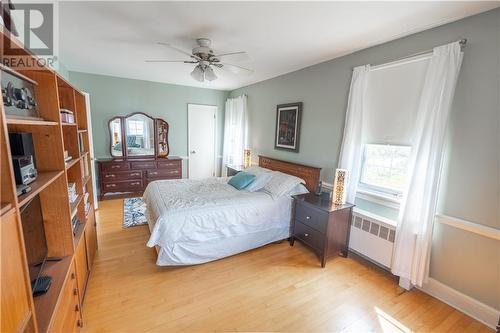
(193, 151)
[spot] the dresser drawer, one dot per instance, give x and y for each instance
(109, 176)
(124, 186)
(115, 166)
(143, 165)
(163, 173)
(168, 164)
(308, 235)
(312, 217)
(67, 317)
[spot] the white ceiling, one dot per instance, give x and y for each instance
(114, 38)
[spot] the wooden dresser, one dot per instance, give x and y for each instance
(321, 225)
(134, 174)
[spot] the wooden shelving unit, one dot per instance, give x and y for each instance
(55, 310)
(43, 180)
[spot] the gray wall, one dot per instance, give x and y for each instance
(470, 189)
(112, 96)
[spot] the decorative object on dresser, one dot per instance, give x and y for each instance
(133, 174)
(288, 126)
(339, 186)
(247, 158)
(321, 225)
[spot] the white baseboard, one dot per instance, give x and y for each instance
(477, 310)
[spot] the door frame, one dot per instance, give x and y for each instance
(216, 150)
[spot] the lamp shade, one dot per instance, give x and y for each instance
(209, 74)
(198, 74)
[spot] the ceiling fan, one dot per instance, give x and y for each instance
(205, 59)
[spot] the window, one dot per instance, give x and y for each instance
(135, 127)
(384, 169)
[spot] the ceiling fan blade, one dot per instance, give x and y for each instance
(237, 69)
(233, 56)
(160, 60)
(178, 49)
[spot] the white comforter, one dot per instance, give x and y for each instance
(195, 221)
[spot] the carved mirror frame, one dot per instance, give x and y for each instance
(161, 147)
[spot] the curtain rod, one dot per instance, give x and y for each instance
(462, 43)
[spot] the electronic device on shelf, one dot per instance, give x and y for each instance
(18, 95)
(24, 169)
(21, 144)
(22, 189)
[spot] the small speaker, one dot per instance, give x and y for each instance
(21, 144)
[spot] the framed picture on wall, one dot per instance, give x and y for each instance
(288, 126)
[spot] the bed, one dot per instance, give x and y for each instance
(197, 221)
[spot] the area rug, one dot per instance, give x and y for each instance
(134, 212)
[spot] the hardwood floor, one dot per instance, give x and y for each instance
(274, 288)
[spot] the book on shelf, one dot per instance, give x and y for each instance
(80, 143)
(87, 208)
(73, 196)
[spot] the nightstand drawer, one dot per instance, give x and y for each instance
(312, 217)
(308, 235)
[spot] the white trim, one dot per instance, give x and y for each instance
(477, 310)
(469, 226)
(378, 198)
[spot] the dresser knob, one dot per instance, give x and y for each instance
(308, 217)
(79, 323)
(75, 291)
(72, 276)
(306, 235)
(77, 308)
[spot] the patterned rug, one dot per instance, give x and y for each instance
(134, 212)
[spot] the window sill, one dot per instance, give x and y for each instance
(379, 198)
(375, 217)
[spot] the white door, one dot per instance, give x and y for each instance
(201, 141)
(91, 149)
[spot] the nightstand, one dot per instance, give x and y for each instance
(321, 225)
(233, 169)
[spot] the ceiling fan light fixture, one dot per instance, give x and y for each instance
(209, 74)
(198, 74)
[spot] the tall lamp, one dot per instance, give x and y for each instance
(339, 187)
(247, 158)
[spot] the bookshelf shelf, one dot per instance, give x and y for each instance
(72, 163)
(29, 122)
(45, 304)
(43, 180)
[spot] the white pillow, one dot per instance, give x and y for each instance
(281, 183)
(261, 179)
(298, 189)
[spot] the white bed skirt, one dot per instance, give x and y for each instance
(182, 254)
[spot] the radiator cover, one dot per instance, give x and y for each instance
(372, 237)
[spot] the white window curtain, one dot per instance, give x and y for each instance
(416, 218)
(235, 131)
(352, 143)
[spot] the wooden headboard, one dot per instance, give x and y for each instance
(308, 173)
